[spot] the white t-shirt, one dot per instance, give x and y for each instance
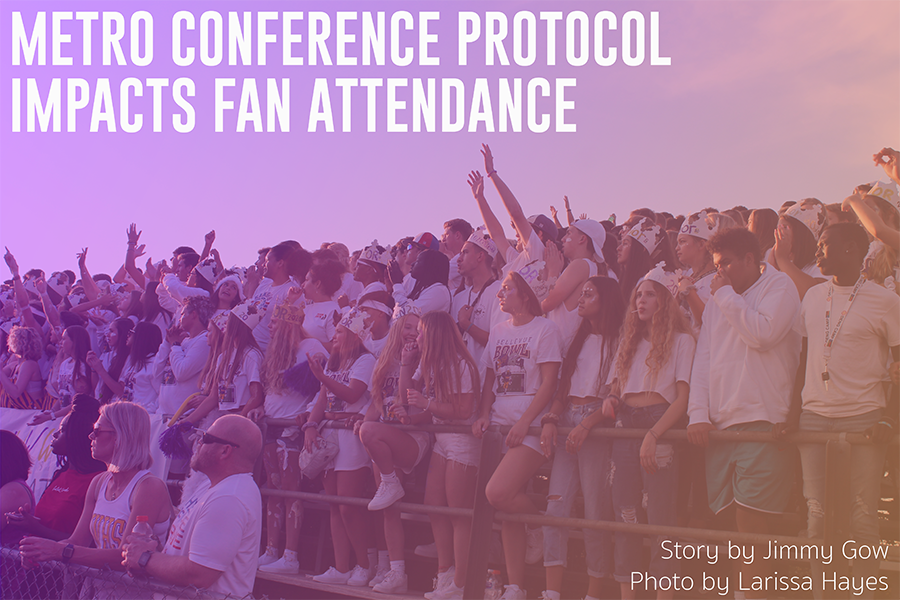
(288, 403)
(352, 454)
(487, 313)
(516, 261)
(247, 373)
(677, 368)
(703, 291)
(349, 287)
(860, 353)
(375, 346)
(454, 280)
(877, 247)
(587, 380)
(141, 384)
(465, 387)
(318, 320)
(265, 298)
(220, 529)
(747, 355)
(515, 353)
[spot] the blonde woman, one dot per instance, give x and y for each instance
(286, 378)
(22, 384)
(344, 396)
(649, 390)
(444, 387)
(116, 497)
(395, 453)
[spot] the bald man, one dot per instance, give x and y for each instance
(214, 540)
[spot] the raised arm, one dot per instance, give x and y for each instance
(889, 160)
(494, 228)
(133, 251)
(208, 240)
(91, 290)
(520, 221)
(871, 220)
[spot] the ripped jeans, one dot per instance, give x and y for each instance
(632, 488)
(866, 472)
(588, 470)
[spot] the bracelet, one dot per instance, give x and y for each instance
(427, 406)
(550, 418)
(309, 424)
(887, 423)
(654, 434)
(616, 398)
(403, 364)
(469, 327)
(494, 172)
(588, 429)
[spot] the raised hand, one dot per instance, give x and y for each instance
(209, 238)
(133, 235)
(294, 294)
(476, 182)
(582, 216)
(566, 202)
(488, 159)
(82, 258)
(553, 212)
(889, 159)
(11, 263)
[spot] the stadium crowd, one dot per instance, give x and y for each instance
(771, 320)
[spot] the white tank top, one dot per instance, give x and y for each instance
(111, 516)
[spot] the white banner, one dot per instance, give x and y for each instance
(37, 439)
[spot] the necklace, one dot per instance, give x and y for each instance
(696, 278)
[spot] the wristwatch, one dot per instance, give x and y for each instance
(68, 552)
(144, 559)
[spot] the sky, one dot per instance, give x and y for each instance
(762, 102)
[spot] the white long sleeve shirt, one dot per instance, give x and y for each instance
(434, 297)
(747, 354)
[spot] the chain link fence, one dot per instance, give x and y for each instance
(54, 580)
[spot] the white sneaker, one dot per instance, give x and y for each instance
(451, 592)
(395, 582)
(266, 558)
(443, 580)
(380, 572)
(534, 544)
(427, 550)
(334, 576)
(282, 565)
(359, 577)
(388, 493)
(512, 592)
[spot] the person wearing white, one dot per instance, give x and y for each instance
(851, 331)
(742, 378)
(456, 232)
(214, 542)
(182, 355)
(522, 360)
(475, 308)
(345, 395)
(583, 248)
(430, 292)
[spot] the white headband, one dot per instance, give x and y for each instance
(379, 306)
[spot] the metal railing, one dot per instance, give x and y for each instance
(837, 501)
(53, 580)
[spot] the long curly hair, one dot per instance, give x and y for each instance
(661, 329)
(281, 354)
(389, 359)
(443, 352)
(237, 343)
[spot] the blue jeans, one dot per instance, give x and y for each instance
(866, 472)
(632, 488)
(589, 470)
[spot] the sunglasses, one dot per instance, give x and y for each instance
(208, 438)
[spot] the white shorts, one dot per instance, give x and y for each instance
(507, 411)
(463, 448)
(351, 454)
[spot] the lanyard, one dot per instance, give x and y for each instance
(830, 337)
(478, 297)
